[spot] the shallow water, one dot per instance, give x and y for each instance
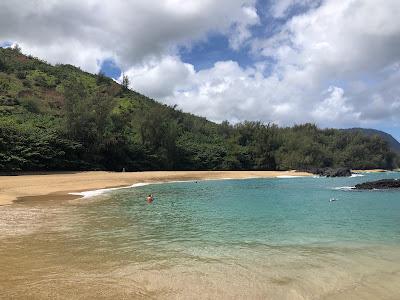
(256, 239)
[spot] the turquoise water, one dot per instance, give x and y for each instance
(265, 211)
(257, 238)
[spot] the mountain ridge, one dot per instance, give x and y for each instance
(393, 143)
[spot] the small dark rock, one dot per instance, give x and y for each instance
(379, 185)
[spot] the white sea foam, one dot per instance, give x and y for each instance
(357, 175)
(344, 188)
(93, 193)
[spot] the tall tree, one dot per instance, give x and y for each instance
(125, 82)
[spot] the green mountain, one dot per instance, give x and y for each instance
(393, 143)
(61, 118)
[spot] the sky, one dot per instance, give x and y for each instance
(333, 63)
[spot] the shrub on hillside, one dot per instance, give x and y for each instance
(31, 104)
(3, 65)
(21, 75)
(4, 85)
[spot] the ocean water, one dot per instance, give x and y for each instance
(278, 238)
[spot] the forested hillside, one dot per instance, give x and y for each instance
(393, 143)
(61, 118)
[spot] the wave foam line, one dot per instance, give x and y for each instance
(92, 193)
(357, 175)
(344, 188)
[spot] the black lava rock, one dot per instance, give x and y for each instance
(379, 185)
(329, 172)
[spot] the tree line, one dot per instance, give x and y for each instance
(61, 118)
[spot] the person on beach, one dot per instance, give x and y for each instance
(150, 198)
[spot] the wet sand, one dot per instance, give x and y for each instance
(59, 185)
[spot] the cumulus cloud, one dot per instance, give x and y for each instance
(351, 44)
(240, 32)
(335, 107)
(159, 78)
(337, 65)
(382, 100)
(225, 91)
(127, 31)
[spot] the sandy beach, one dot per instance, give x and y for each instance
(264, 239)
(370, 171)
(59, 185)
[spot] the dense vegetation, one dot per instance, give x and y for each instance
(393, 143)
(61, 118)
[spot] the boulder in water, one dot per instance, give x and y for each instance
(379, 185)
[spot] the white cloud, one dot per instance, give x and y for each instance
(339, 38)
(128, 31)
(160, 78)
(76, 53)
(337, 65)
(381, 102)
(335, 107)
(348, 44)
(225, 91)
(240, 31)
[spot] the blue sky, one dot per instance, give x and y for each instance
(110, 68)
(335, 63)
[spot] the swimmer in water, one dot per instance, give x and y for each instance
(150, 198)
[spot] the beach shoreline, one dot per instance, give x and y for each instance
(59, 186)
(280, 238)
(370, 171)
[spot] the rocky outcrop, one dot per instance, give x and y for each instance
(329, 172)
(379, 185)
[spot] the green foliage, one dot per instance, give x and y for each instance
(159, 132)
(24, 146)
(87, 115)
(125, 82)
(61, 118)
(3, 65)
(21, 74)
(43, 79)
(31, 105)
(4, 86)
(102, 79)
